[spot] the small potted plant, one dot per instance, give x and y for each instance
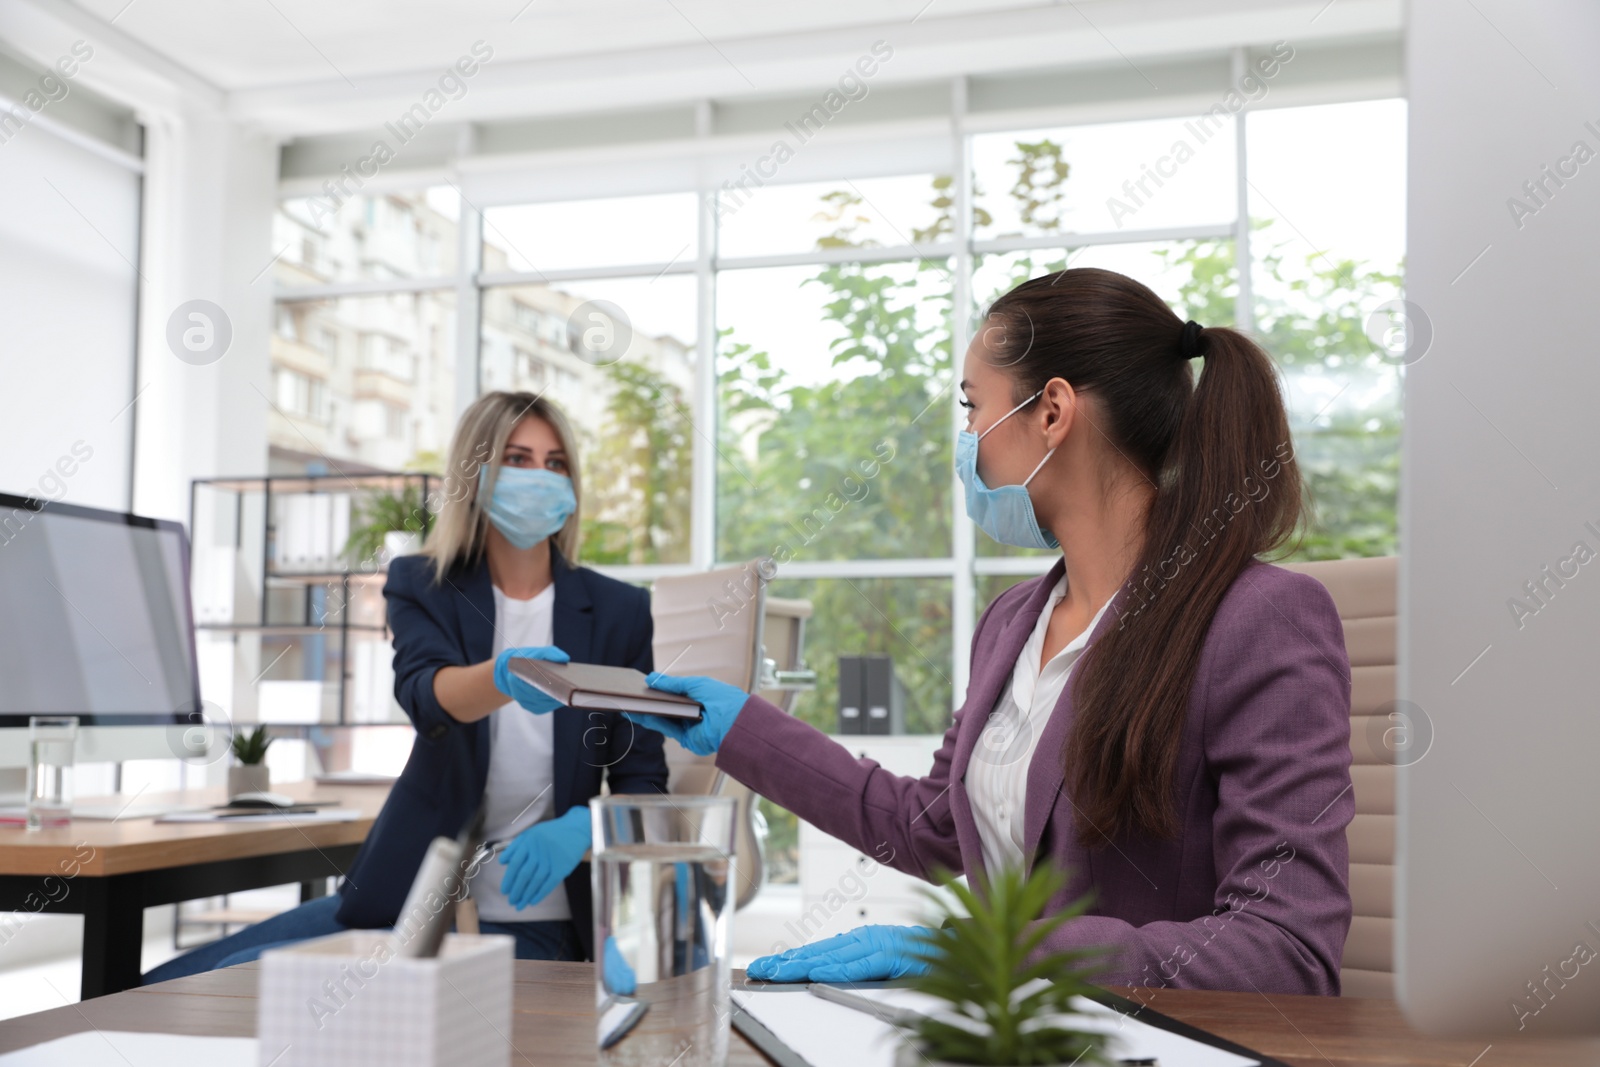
(249, 774)
(392, 524)
(1001, 1010)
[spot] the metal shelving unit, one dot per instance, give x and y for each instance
(280, 607)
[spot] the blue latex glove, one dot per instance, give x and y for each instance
(862, 955)
(531, 698)
(619, 977)
(541, 856)
(721, 701)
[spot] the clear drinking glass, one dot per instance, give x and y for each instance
(51, 740)
(664, 891)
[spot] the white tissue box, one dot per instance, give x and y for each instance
(347, 1000)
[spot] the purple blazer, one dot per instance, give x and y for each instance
(1254, 892)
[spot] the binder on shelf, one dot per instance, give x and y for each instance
(851, 695)
(884, 696)
(268, 558)
(872, 699)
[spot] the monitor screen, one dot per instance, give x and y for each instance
(94, 616)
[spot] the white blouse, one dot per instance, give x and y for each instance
(521, 764)
(997, 776)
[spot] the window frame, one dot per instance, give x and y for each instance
(964, 567)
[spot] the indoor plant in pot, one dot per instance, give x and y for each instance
(249, 774)
(1001, 1009)
(391, 524)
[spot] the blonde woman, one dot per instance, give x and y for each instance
(497, 579)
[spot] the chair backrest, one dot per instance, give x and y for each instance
(1364, 592)
(783, 639)
(711, 624)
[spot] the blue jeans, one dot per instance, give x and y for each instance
(555, 939)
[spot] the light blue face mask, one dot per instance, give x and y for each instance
(1005, 512)
(528, 504)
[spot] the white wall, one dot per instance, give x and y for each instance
(1499, 873)
(212, 190)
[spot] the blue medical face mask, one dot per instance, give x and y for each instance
(1005, 512)
(528, 504)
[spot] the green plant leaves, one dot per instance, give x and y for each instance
(382, 514)
(250, 746)
(1004, 994)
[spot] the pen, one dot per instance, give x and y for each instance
(488, 850)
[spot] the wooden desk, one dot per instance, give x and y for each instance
(110, 871)
(553, 1023)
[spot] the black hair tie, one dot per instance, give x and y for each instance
(1189, 340)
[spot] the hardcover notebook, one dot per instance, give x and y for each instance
(592, 687)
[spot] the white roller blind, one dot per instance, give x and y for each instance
(69, 242)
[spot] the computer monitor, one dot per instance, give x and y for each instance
(95, 621)
(1498, 798)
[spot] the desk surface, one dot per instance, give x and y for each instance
(125, 845)
(554, 1023)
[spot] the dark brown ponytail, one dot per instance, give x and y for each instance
(1227, 490)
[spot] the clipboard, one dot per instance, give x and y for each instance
(783, 1056)
(1168, 1023)
(765, 1040)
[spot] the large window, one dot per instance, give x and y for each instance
(1327, 210)
(833, 443)
(770, 372)
(618, 355)
(364, 376)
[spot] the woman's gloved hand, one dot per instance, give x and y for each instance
(524, 692)
(541, 856)
(619, 977)
(721, 701)
(862, 955)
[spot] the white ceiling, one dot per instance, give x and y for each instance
(253, 44)
(296, 67)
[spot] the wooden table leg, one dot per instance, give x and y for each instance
(113, 934)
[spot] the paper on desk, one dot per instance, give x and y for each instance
(124, 1048)
(321, 815)
(823, 1033)
(354, 778)
(118, 810)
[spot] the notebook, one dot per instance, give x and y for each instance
(592, 687)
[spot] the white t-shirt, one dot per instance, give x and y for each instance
(521, 764)
(997, 775)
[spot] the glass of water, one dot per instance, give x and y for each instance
(51, 740)
(664, 891)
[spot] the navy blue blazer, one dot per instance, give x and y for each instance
(451, 624)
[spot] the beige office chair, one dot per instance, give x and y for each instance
(1364, 592)
(722, 624)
